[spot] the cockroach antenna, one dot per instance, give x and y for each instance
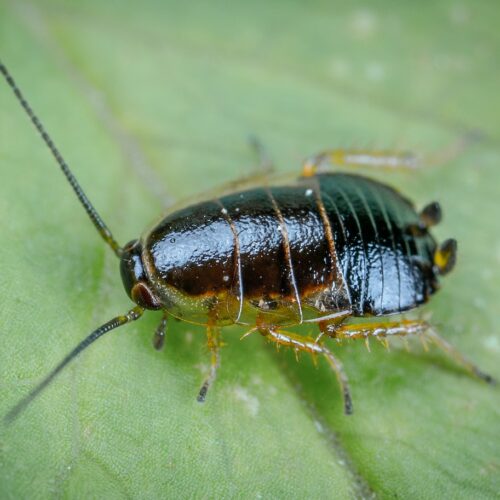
(103, 230)
(87, 205)
(132, 315)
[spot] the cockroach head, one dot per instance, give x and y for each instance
(134, 278)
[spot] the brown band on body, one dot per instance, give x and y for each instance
(237, 258)
(286, 248)
(337, 275)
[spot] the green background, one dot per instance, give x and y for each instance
(153, 101)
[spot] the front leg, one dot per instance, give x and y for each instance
(160, 332)
(213, 342)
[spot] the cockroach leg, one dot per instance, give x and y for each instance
(403, 328)
(337, 367)
(247, 334)
(384, 342)
(159, 335)
(406, 344)
(384, 159)
(308, 344)
(454, 149)
(213, 342)
(319, 337)
(367, 344)
(258, 176)
(266, 165)
(387, 159)
(457, 356)
(375, 329)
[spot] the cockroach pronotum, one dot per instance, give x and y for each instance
(326, 248)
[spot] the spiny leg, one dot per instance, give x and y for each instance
(213, 342)
(455, 354)
(308, 344)
(386, 159)
(159, 335)
(402, 328)
(374, 329)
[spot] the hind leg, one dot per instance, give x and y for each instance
(358, 158)
(382, 331)
(386, 159)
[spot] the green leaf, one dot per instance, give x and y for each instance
(152, 101)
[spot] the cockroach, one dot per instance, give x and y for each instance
(328, 247)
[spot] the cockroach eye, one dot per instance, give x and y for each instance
(143, 296)
(134, 278)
